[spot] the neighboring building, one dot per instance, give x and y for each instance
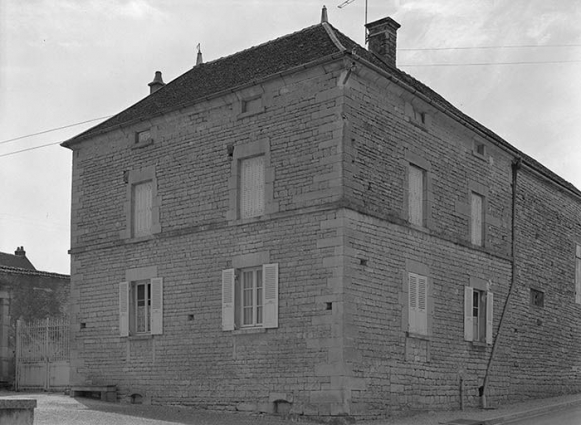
(25, 294)
(303, 227)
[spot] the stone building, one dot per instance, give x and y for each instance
(302, 227)
(26, 294)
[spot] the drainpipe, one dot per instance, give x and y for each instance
(516, 164)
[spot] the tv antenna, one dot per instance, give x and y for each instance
(348, 2)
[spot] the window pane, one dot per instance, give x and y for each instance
(142, 203)
(252, 187)
(416, 195)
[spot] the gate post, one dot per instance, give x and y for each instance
(18, 355)
(46, 353)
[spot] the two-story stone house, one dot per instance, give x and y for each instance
(303, 227)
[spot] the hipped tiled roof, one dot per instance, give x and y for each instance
(299, 49)
(11, 260)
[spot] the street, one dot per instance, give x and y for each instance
(566, 416)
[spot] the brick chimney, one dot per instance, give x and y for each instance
(382, 39)
(157, 83)
(20, 252)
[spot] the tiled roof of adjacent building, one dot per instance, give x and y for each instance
(16, 261)
(315, 44)
(31, 272)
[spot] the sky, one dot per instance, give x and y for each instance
(65, 62)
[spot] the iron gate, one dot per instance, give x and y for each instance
(42, 354)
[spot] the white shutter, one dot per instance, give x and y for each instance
(489, 302)
(578, 279)
(157, 306)
(476, 219)
(228, 276)
(413, 302)
(252, 187)
(124, 309)
(468, 319)
(142, 204)
(422, 311)
(270, 302)
(416, 195)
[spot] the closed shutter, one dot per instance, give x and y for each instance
(228, 276)
(489, 310)
(476, 219)
(124, 309)
(270, 302)
(416, 195)
(468, 319)
(252, 187)
(142, 203)
(156, 306)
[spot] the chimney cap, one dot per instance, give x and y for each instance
(383, 23)
(20, 251)
(157, 83)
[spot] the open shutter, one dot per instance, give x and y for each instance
(489, 302)
(468, 319)
(422, 311)
(270, 302)
(124, 309)
(578, 276)
(157, 306)
(228, 299)
(413, 302)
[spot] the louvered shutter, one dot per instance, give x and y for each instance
(156, 306)
(422, 309)
(416, 195)
(476, 219)
(124, 309)
(228, 276)
(142, 204)
(252, 187)
(270, 302)
(413, 302)
(489, 311)
(468, 319)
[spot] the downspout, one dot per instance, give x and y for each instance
(516, 165)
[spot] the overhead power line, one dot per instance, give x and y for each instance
(527, 46)
(489, 63)
(29, 149)
(54, 129)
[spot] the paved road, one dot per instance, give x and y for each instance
(566, 416)
(58, 409)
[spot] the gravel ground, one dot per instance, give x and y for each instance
(60, 409)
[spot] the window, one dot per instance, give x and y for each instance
(252, 105)
(578, 274)
(477, 315)
(537, 298)
(250, 297)
(417, 308)
(252, 289)
(141, 307)
(416, 195)
(141, 206)
(143, 137)
(252, 187)
(477, 219)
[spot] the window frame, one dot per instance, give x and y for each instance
(477, 232)
(132, 179)
(412, 202)
(417, 316)
(413, 160)
(257, 189)
(134, 307)
(485, 312)
(128, 308)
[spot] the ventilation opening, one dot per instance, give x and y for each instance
(136, 399)
(282, 407)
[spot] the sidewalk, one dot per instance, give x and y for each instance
(59, 409)
(500, 415)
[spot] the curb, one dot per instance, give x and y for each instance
(508, 418)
